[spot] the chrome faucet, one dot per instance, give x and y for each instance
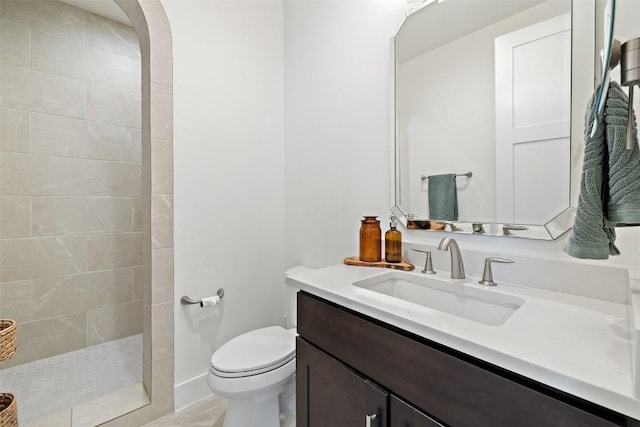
(457, 266)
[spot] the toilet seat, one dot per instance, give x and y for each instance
(254, 353)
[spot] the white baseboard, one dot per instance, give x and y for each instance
(191, 391)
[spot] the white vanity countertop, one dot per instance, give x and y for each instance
(575, 344)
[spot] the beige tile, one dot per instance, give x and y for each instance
(114, 322)
(162, 275)
(138, 21)
(112, 106)
(114, 251)
(16, 301)
(146, 322)
(27, 174)
(155, 14)
(161, 99)
(45, 338)
(36, 258)
(61, 136)
(28, 90)
(161, 166)
(204, 413)
(51, 296)
(117, 142)
(58, 136)
(64, 58)
(59, 419)
(135, 418)
(105, 408)
(14, 130)
(161, 59)
(162, 387)
(137, 284)
(52, 17)
(14, 44)
(114, 179)
(113, 36)
(161, 221)
(162, 330)
(146, 349)
(15, 216)
(58, 56)
(59, 216)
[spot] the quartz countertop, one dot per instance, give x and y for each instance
(576, 344)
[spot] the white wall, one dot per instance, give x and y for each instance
(229, 176)
(337, 123)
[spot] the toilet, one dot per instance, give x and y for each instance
(256, 372)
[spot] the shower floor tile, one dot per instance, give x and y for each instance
(47, 386)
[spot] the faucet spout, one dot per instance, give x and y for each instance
(457, 265)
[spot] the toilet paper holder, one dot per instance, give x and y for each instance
(185, 300)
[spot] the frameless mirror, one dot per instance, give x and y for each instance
(487, 99)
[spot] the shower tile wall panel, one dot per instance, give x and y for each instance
(70, 178)
(15, 131)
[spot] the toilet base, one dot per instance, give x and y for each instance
(262, 410)
(247, 412)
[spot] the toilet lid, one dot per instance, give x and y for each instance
(259, 350)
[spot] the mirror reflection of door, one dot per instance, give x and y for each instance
(533, 89)
(445, 108)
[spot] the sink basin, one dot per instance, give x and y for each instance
(459, 299)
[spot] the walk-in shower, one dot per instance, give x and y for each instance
(71, 238)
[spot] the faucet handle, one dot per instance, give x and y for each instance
(428, 264)
(487, 274)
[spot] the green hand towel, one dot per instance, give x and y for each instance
(443, 197)
(623, 196)
(592, 237)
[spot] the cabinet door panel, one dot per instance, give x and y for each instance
(329, 394)
(452, 389)
(402, 414)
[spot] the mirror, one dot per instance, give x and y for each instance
(490, 100)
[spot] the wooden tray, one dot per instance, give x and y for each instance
(354, 260)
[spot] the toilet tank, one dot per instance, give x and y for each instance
(291, 297)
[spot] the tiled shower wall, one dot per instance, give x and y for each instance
(70, 178)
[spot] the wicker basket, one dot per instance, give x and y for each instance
(8, 410)
(7, 339)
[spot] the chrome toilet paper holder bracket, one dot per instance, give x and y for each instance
(185, 300)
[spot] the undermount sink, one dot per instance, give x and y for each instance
(445, 295)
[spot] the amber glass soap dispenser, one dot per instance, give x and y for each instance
(393, 243)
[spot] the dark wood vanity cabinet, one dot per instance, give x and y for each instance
(336, 395)
(350, 366)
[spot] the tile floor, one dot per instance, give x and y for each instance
(206, 413)
(47, 386)
(209, 413)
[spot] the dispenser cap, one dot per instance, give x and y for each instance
(393, 219)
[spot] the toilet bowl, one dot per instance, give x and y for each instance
(253, 370)
(256, 372)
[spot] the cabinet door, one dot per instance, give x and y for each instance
(329, 394)
(402, 414)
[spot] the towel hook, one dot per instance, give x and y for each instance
(609, 24)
